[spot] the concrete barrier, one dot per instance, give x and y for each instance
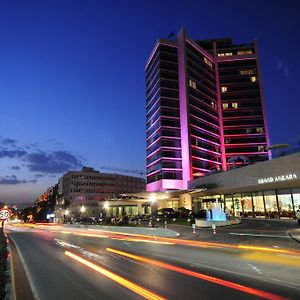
(160, 232)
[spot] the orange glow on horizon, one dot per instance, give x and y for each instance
(229, 284)
(122, 281)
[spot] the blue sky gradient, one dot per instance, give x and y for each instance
(72, 82)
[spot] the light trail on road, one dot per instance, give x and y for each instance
(229, 284)
(122, 281)
(100, 233)
(192, 243)
(84, 234)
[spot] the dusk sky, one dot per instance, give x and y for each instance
(72, 81)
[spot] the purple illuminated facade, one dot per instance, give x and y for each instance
(204, 110)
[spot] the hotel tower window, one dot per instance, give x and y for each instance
(184, 77)
(224, 89)
(225, 105)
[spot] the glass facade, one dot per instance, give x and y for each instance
(204, 112)
(128, 210)
(162, 109)
(263, 204)
(258, 204)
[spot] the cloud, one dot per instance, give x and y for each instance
(9, 141)
(15, 168)
(52, 163)
(38, 175)
(37, 160)
(13, 180)
(4, 152)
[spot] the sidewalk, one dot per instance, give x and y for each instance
(159, 232)
(295, 234)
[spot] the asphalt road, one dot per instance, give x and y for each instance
(174, 271)
(269, 233)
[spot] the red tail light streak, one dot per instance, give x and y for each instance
(122, 281)
(229, 284)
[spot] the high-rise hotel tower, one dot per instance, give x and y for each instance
(204, 110)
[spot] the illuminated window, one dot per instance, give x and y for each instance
(192, 84)
(253, 79)
(261, 148)
(208, 62)
(225, 54)
(213, 104)
(244, 52)
(260, 130)
(227, 141)
(234, 105)
(224, 89)
(225, 105)
(248, 71)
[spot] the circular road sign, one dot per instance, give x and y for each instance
(4, 214)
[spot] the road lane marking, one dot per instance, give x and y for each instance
(291, 261)
(260, 235)
(27, 272)
(255, 269)
(122, 281)
(257, 248)
(229, 284)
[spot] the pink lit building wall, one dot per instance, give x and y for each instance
(204, 110)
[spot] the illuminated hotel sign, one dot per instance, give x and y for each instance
(285, 177)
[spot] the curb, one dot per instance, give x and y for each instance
(159, 232)
(9, 286)
(294, 238)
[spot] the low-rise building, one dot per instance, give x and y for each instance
(268, 189)
(87, 190)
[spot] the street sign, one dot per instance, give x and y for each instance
(4, 214)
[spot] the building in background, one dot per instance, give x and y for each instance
(45, 196)
(204, 110)
(85, 191)
(267, 189)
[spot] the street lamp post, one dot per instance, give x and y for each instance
(153, 208)
(82, 210)
(67, 212)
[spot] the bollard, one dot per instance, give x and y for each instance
(166, 224)
(213, 226)
(194, 228)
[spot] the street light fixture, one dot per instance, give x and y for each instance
(152, 198)
(82, 209)
(106, 205)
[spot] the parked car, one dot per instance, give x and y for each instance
(184, 212)
(167, 213)
(200, 214)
